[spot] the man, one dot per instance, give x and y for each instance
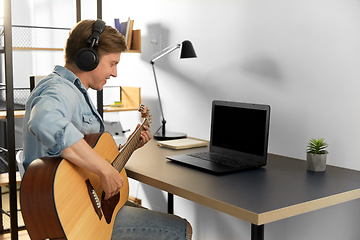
(59, 113)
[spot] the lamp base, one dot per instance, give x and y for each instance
(169, 136)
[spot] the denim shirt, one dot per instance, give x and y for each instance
(58, 114)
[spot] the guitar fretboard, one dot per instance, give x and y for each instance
(129, 147)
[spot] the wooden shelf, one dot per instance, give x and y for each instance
(108, 108)
(23, 235)
(38, 38)
(135, 46)
(36, 49)
(17, 114)
(130, 98)
(4, 179)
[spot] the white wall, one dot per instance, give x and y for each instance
(301, 57)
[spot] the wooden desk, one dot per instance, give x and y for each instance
(280, 190)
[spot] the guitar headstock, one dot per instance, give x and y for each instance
(145, 112)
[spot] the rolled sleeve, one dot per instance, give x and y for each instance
(50, 120)
(63, 139)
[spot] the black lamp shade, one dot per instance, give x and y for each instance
(187, 50)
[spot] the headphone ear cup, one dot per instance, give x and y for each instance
(87, 59)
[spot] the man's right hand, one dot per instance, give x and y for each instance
(82, 155)
(111, 181)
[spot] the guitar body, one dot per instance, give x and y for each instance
(56, 201)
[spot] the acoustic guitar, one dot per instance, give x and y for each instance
(60, 200)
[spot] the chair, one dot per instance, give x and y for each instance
(4, 181)
(19, 160)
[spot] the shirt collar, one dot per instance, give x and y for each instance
(68, 75)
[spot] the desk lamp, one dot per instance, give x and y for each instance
(186, 51)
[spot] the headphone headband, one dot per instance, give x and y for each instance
(98, 28)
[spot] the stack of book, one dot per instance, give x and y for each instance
(183, 143)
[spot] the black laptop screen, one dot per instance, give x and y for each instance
(239, 129)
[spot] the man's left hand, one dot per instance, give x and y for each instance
(145, 136)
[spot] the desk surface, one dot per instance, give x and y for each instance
(281, 189)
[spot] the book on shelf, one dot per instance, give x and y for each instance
(124, 26)
(183, 143)
(117, 24)
(117, 104)
(129, 33)
(127, 30)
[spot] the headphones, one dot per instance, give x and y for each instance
(87, 59)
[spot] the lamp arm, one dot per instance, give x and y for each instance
(158, 93)
(165, 53)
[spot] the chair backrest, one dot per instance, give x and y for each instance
(34, 80)
(19, 160)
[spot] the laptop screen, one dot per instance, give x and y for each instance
(240, 129)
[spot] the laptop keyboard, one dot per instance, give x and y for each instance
(221, 159)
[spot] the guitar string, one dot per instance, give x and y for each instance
(129, 148)
(117, 162)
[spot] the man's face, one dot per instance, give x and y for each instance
(107, 67)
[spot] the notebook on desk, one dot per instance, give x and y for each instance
(238, 138)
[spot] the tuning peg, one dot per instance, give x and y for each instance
(141, 107)
(150, 118)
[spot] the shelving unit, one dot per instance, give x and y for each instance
(31, 38)
(10, 119)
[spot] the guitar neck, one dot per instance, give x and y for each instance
(129, 147)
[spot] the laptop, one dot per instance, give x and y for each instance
(238, 139)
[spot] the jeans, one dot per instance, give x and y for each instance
(133, 223)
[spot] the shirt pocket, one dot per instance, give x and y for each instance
(89, 124)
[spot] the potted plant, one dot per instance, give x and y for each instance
(316, 155)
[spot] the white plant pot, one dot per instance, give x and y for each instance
(316, 162)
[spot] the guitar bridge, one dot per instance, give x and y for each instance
(94, 199)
